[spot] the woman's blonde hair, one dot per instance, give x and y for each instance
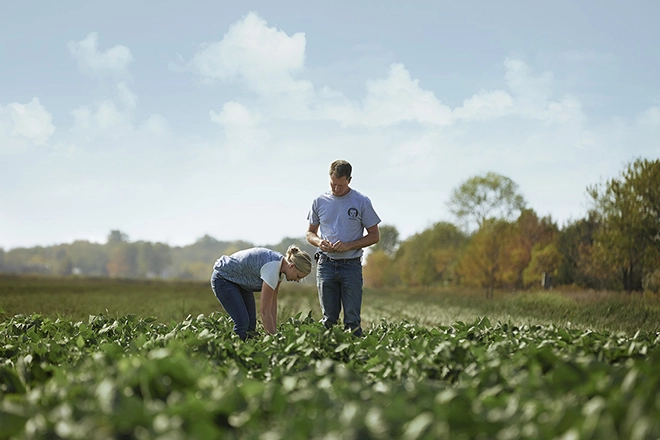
(299, 258)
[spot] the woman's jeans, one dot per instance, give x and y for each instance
(339, 284)
(238, 302)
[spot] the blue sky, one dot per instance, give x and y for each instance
(170, 120)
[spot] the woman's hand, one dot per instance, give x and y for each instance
(268, 307)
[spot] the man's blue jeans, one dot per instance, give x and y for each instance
(339, 284)
(238, 302)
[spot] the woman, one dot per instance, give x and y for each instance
(236, 277)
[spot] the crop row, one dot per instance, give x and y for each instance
(136, 378)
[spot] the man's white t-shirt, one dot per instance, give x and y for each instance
(270, 273)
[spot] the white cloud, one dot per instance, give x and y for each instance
(261, 57)
(234, 114)
(525, 86)
(156, 125)
(242, 129)
(106, 117)
(114, 60)
(533, 95)
(649, 117)
(126, 96)
(114, 116)
(29, 121)
(485, 105)
(267, 60)
(399, 98)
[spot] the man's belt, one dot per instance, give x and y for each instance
(321, 257)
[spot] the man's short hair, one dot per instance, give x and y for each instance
(341, 168)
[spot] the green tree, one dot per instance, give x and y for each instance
(574, 239)
(62, 264)
(389, 240)
(122, 256)
(284, 244)
(629, 214)
(89, 258)
(195, 261)
(485, 197)
(116, 237)
(545, 259)
(27, 260)
(152, 259)
(122, 261)
(430, 257)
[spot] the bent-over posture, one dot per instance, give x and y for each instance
(237, 276)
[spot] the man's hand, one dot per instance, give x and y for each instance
(340, 246)
(325, 246)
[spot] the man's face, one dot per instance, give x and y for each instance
(339, 185)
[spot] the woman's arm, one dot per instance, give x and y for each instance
(268, 307)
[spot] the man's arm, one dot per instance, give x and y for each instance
(313, 238)
(312, 235)
(372, 237)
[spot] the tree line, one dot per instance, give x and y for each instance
(500, 243)
(121, 258)
(496, 242)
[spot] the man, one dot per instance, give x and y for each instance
(337, 221)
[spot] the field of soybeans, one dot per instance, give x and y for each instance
(117, 359)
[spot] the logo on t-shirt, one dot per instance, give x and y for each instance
(352, 213)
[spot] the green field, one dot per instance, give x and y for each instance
(101, 359)
(77, 298)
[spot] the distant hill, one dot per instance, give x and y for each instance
(121, 258)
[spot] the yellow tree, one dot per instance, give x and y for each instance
(545, 259)
(430, 257)
(379, 270)
(528, 232)
(486, 257)
(121, 256)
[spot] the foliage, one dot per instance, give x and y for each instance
(379, 270)
(544, 260)
(389, 240)
(572, 241)
(616, 247)
(629, 212)
(195, 261)
(481, 198)
(486, 257)
(121, 258)
(135, 378)
(529, 235)
(430, 257)
(76, 298)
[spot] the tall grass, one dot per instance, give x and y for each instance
(77, 298)
(577, 308)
